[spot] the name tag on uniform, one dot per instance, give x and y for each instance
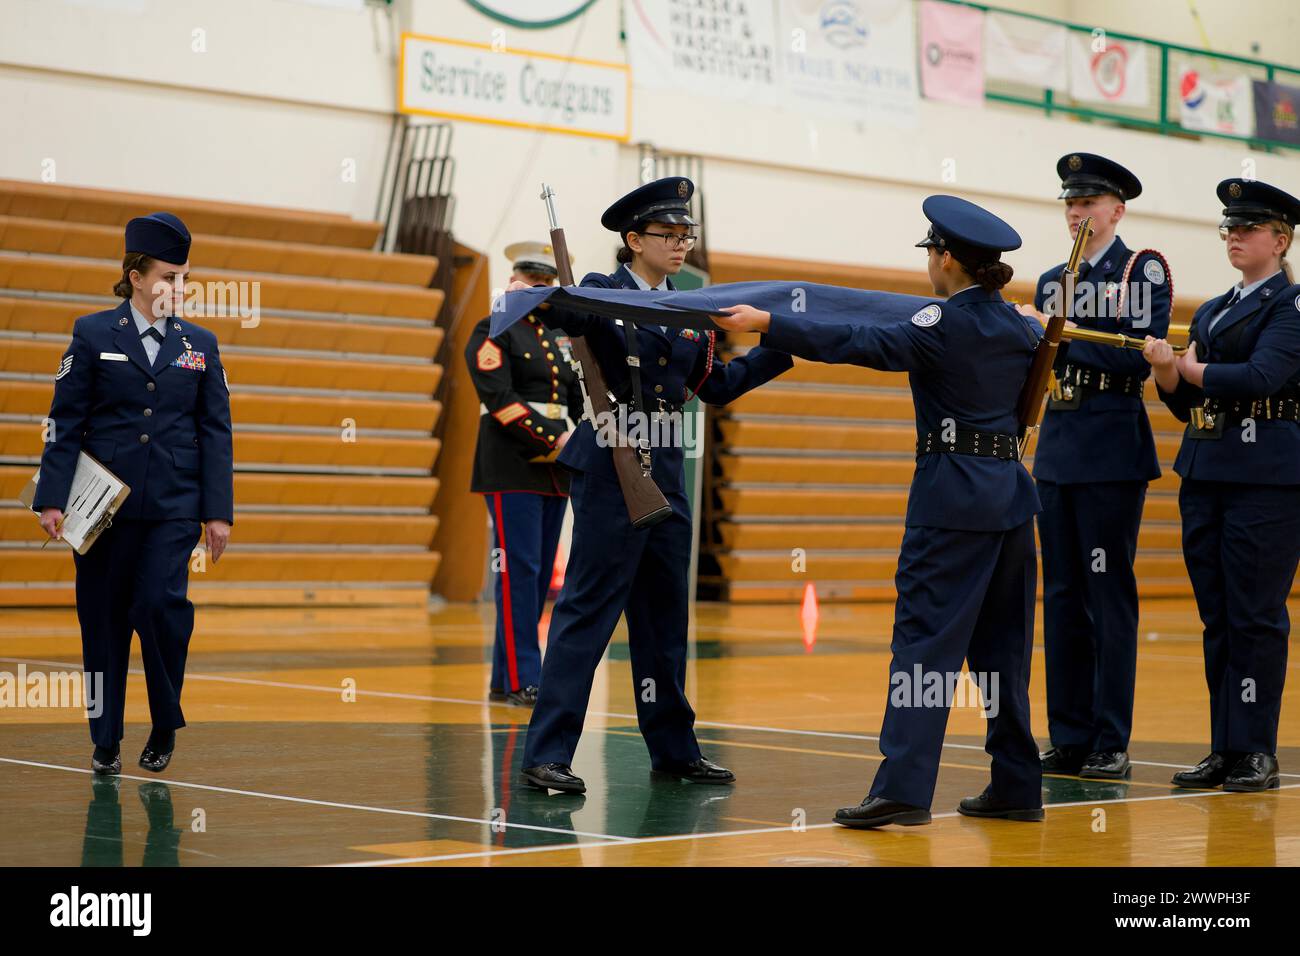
(112, 356)
(193, 361)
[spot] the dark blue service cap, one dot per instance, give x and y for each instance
(1247, 201)
(1087, 174)
(968, 227)
(160, 236)
(664, 200)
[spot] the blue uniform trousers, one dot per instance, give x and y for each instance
(615, 568)
(962, 595)
(1089, 536)
(134, 578)
(526, 532)
(1241, 543)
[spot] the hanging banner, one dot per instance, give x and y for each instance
(1114, 73)
(1020, 50)
(1276, 109)
(682, 47)
(952, 44)
(457, 79)
(851, 59)
(1216, 104)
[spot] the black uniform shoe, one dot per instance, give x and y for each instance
(1207, 774)
(155, 760)
(878, 812)
(1252, 773)
(497, 695)
(554, 776)
(987, 805)
(697, 771)
(524, 697)
(1106, 765)
(105, 761)
(1064, 760)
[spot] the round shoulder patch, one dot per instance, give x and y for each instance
(927, 316)
(1154, 271)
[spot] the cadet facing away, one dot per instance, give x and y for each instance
(967, 571)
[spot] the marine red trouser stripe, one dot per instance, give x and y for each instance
(508, 621)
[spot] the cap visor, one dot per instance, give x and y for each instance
(674, 219)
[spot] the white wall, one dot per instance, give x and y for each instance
(285, 92)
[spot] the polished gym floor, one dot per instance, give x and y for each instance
(363, 737)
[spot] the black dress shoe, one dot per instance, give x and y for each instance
(1106, 765)
(1207, 774)
(155, 760)
(104, 761)
(697, 771)
(524, 697)
(987, 805)
(1254, 772)
(878, 812)
(554, 776)
(1064, 760)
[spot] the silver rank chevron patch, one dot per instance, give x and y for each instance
(64, 367)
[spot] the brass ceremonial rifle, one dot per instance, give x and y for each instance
(1114, 339)
(646, 504)
(1029, 408)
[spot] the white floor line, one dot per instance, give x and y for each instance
(324, 803)
(735, 833)
(756, 728)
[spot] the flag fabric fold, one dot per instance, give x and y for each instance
(694, 309)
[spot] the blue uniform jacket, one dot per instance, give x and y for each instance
(968, 366)
(672, 363)
(1108, 436)
(164, 430)
(1253, 352)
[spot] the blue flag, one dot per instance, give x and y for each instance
(694, 309)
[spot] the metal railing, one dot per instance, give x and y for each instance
(1160, 117)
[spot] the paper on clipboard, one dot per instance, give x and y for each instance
(96, 495)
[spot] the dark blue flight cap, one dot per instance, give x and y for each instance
(664, 200)
(1247, 201)
(160, 236)
(1086, 174)
(966, 230)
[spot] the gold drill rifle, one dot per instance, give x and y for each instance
(646, 504)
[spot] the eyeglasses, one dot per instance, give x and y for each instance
(1246, 230)
(673, 241)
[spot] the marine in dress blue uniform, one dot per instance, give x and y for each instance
(148, 398)
(967, 571)
(529, 399)
(1240, 498)
(613, 568)
(1094, 458)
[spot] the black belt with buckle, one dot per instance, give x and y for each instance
(1074, 380)
(968, 442)
(651, 403)
(1209, 419)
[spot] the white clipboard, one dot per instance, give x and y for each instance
(96, 495)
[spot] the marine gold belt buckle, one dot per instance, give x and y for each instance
(1056, 389)
(554, 410)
